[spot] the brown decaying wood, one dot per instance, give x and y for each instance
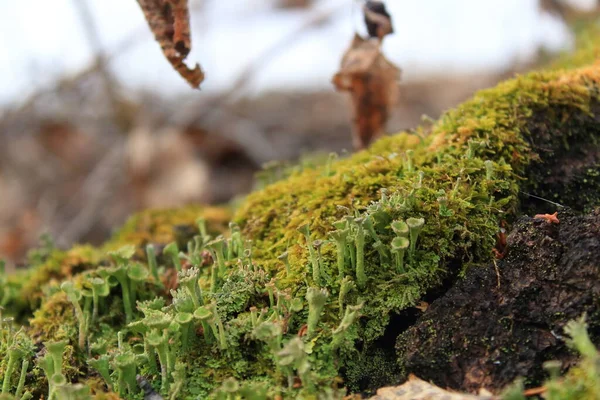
(169, 21)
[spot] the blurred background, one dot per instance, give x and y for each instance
(94, 123)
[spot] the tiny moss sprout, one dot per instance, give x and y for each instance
(489, 170)
(328, 166)
(21, 383)
(125, 364)
(359, 240)
(270, 287)
(293, 357)
(400, 228)
(15, 353)
(137, 274)
(270, 333)
(410, 166)
(179, 375)
(455, 189)
(152, 263)
(316, 274)
(189, 280)
(194, 252)
(368, 225)
(346, 286)
(184, 319)
(253, 316)
(216, 320)
(382, 249)
(316, 301)
(74, 295)
(237, 243)
(205, 316)
(99, 289)
(399, 246)
(473, 147)
(172, 250)
(119, 272)
(159, 340)
(284, 257)
(444, 211)
(350, 316)
(201, 222)
(102, 365)
(415, 225)
(340, 236)
(230, 387)
(51, 364)
(217, 248)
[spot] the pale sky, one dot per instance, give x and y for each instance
(41, 40)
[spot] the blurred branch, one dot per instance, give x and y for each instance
(91, 32)
(566, 10)
(95, 193)
(252, 69)
(215, 112)
(98, 64)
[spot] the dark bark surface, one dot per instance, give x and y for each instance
(571, 176)
(505, 320)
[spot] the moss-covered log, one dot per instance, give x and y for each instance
(463, 176)
(306, 292)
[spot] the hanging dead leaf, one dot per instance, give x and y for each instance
(372, 81)
(169, 21)
(377, 19)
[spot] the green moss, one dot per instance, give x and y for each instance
(51, 266)
(165, 226)
(28, 286)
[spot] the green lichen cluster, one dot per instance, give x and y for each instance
(294, 297)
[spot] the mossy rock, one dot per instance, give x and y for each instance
(463, 177)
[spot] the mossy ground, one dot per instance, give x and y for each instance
(260, 329)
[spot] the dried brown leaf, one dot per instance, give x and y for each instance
(372, 81)
(377, 19)
(169, 21)
(417, 389)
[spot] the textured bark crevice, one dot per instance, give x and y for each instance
(504, 321)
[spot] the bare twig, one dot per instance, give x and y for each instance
(251, 70)
(91, 32)
(98, 188)
(215, 111)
